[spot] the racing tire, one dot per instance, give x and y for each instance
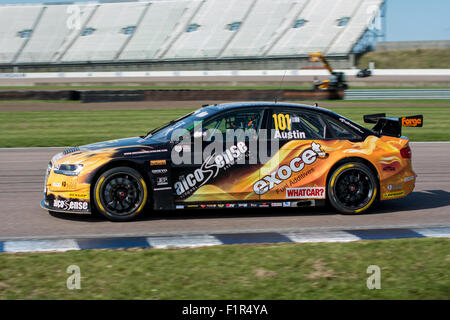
(352, 188)
(120, 194)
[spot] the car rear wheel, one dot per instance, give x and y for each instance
(352, 188)
(120, 194)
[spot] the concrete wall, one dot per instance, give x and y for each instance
(404, 45)
(289, 63)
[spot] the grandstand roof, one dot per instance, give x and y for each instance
(117, 31)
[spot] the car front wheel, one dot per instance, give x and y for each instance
(120, 194)
(352, 188)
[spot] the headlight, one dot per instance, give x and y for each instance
(68, 169)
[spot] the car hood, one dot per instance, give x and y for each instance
(121, 148)
(118, 143)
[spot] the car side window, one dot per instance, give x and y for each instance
(339, 131)
(295, 125)
(241, 119)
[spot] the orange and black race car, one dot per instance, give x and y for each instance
(238, 155)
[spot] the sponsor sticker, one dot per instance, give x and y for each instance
(158, 162)
(70, 205)
(242, 205)
(159, 171)
(393, 187)
(286, 204)
(285, 172)
(162, 189)
(144, 152)
(413, 121)
(408, 178)
(79, 195)
(350, 124)
(305, 193)
(162, 181)
(158, 151)
(264, 205)
(276, 204)
(179, 206)
(210, 169)
(229, 205)
(390, 195)
(290, 135)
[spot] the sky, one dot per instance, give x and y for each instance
(406, 20)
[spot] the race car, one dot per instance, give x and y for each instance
(238, 155)
(363, 73)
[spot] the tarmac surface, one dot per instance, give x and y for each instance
(21, 189)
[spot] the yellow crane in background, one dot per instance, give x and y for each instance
(337, 79)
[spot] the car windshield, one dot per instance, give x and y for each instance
(186, 122)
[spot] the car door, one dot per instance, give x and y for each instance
(221, 172)
(297, 171)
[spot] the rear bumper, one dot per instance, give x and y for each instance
(399, 186)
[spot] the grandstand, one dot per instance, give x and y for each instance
(163, 32)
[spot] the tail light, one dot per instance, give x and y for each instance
(406, 152)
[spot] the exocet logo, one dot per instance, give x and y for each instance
(209, 169)
(70, 205)
(307, 157)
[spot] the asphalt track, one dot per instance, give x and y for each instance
(21, 188)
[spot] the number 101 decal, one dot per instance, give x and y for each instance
(282, 121)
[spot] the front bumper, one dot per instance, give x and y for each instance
(65, 193)
(78, 206)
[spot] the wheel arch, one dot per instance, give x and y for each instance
(121, 163)
(369, 164)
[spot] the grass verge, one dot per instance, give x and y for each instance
(427, 58)
(67, 128)
(410, 269)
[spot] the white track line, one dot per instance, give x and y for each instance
(41, 245)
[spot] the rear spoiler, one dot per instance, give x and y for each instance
(392, 126)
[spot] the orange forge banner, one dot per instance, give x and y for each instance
(300, 168)
(412, 121)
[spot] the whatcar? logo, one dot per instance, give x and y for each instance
(307, 157)
(210, 168)
(305, 193)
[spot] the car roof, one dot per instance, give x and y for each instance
(237, 105)
(248, 104)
